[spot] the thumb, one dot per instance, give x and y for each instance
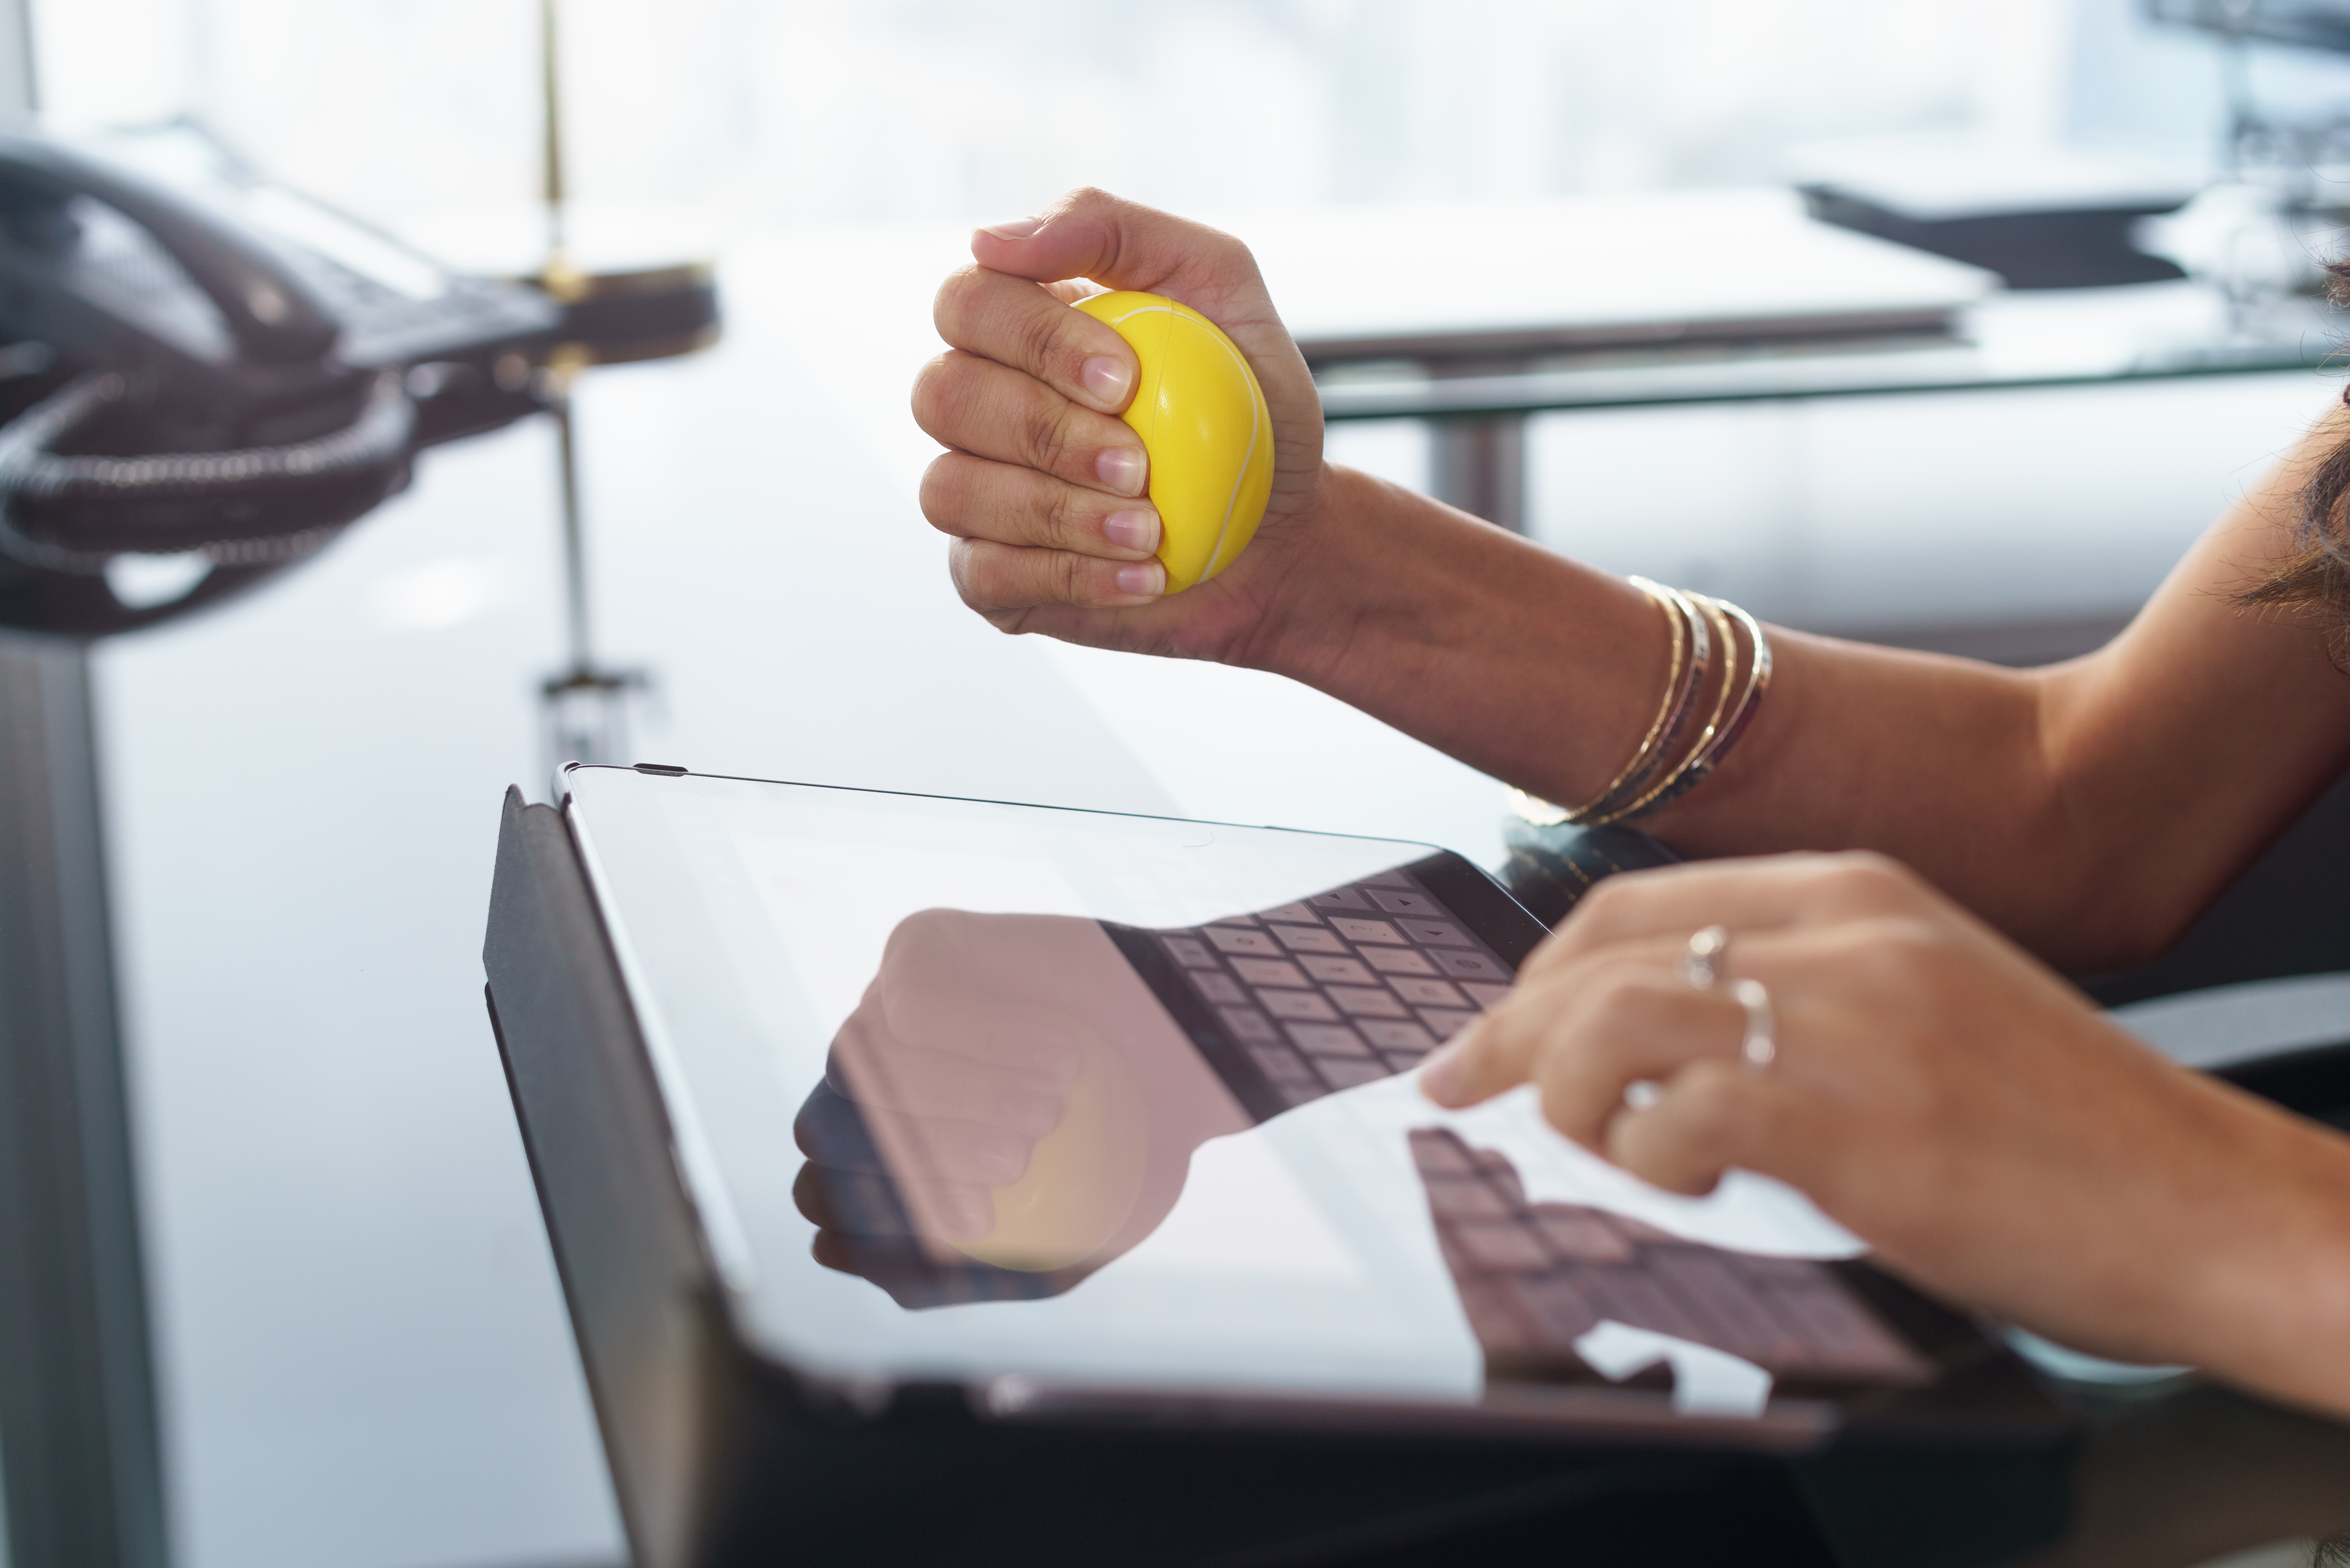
(1090, 233)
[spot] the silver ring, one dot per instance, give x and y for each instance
(1708, 950)
(1761, 1046)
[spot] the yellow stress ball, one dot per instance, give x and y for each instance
(1204, 420)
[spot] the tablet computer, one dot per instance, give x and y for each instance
(1110, 1121)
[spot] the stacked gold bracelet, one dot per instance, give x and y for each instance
(1663, 768)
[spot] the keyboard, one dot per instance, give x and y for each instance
(1341, 988)
(1535, 1277)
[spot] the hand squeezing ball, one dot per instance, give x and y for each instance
(1204, 422)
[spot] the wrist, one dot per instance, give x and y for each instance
(1456, 632)
(2271, 1296)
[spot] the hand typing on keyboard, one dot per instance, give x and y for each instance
(1957, 1106)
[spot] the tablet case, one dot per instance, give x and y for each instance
(720, 1455)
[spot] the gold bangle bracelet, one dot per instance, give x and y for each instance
(1636, 791)
(1758, 682)
(1686, 652)
(1653, 758)
(1670, 784)
(1546, 814)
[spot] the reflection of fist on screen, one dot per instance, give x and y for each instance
(1030, 1101)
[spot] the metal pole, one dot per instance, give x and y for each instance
(579, 637)
(81, 1481)
(78, 1450)
(1479, 463)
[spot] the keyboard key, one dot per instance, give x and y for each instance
(1402, 1061)
(1388, 880)
(1466, 1201)
(1581, 1235)
(1428, 992)
(1637, 1300)
(1436, 933)
(1296, 914)
(1341, 898)
(1220, 988)
(1344, 1074)
(1268, 972)
(1282, 1065)
(1503, 1246)
(1253, 942)
(1444, 1021)
(1402, 903)
(1495, 1318)
(1365, 931)
(1300, 1004)
(1468, 965)
(1234, 921)
(1487, 993)
(1299, 1094)
(1398, 960)
(1556, 1306)
(1337, 970)
(1366, 1001)
(1328, 1040)
(1440, 1154)
(1308, 940)
(1250, 1025)
(1395, 1037)
(1500, 1175)
(1784, 1273)
(1839, 1331)
(1191, 953)
(1742, 1324)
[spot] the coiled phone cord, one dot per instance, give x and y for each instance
(255, 507)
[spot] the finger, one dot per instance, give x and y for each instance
(1001, 580)
(831, 1131)
(977, 406)
(856, 1204)
(973, 498)
(951, 1149)
(885, 1074)
(1093, 234)
(1711, 1116)
(1647, 1032)
(1623, 1013)
(1746, 895)
(1013, 322)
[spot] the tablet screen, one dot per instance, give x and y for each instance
(973, 1092)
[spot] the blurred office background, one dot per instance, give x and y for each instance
(364, 1356)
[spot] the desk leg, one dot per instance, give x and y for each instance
(1480, 465)
(78, 1451)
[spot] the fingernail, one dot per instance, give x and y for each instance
(1144, 580)
(1107, 380)
(1017, 229)
(1132, 530)
(1439, 1074)
(1121, 470)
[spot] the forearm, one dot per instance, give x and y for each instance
(1545, 673)
(2089, 810)
(2261, 1273)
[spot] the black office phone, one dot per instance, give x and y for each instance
(195, 360)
